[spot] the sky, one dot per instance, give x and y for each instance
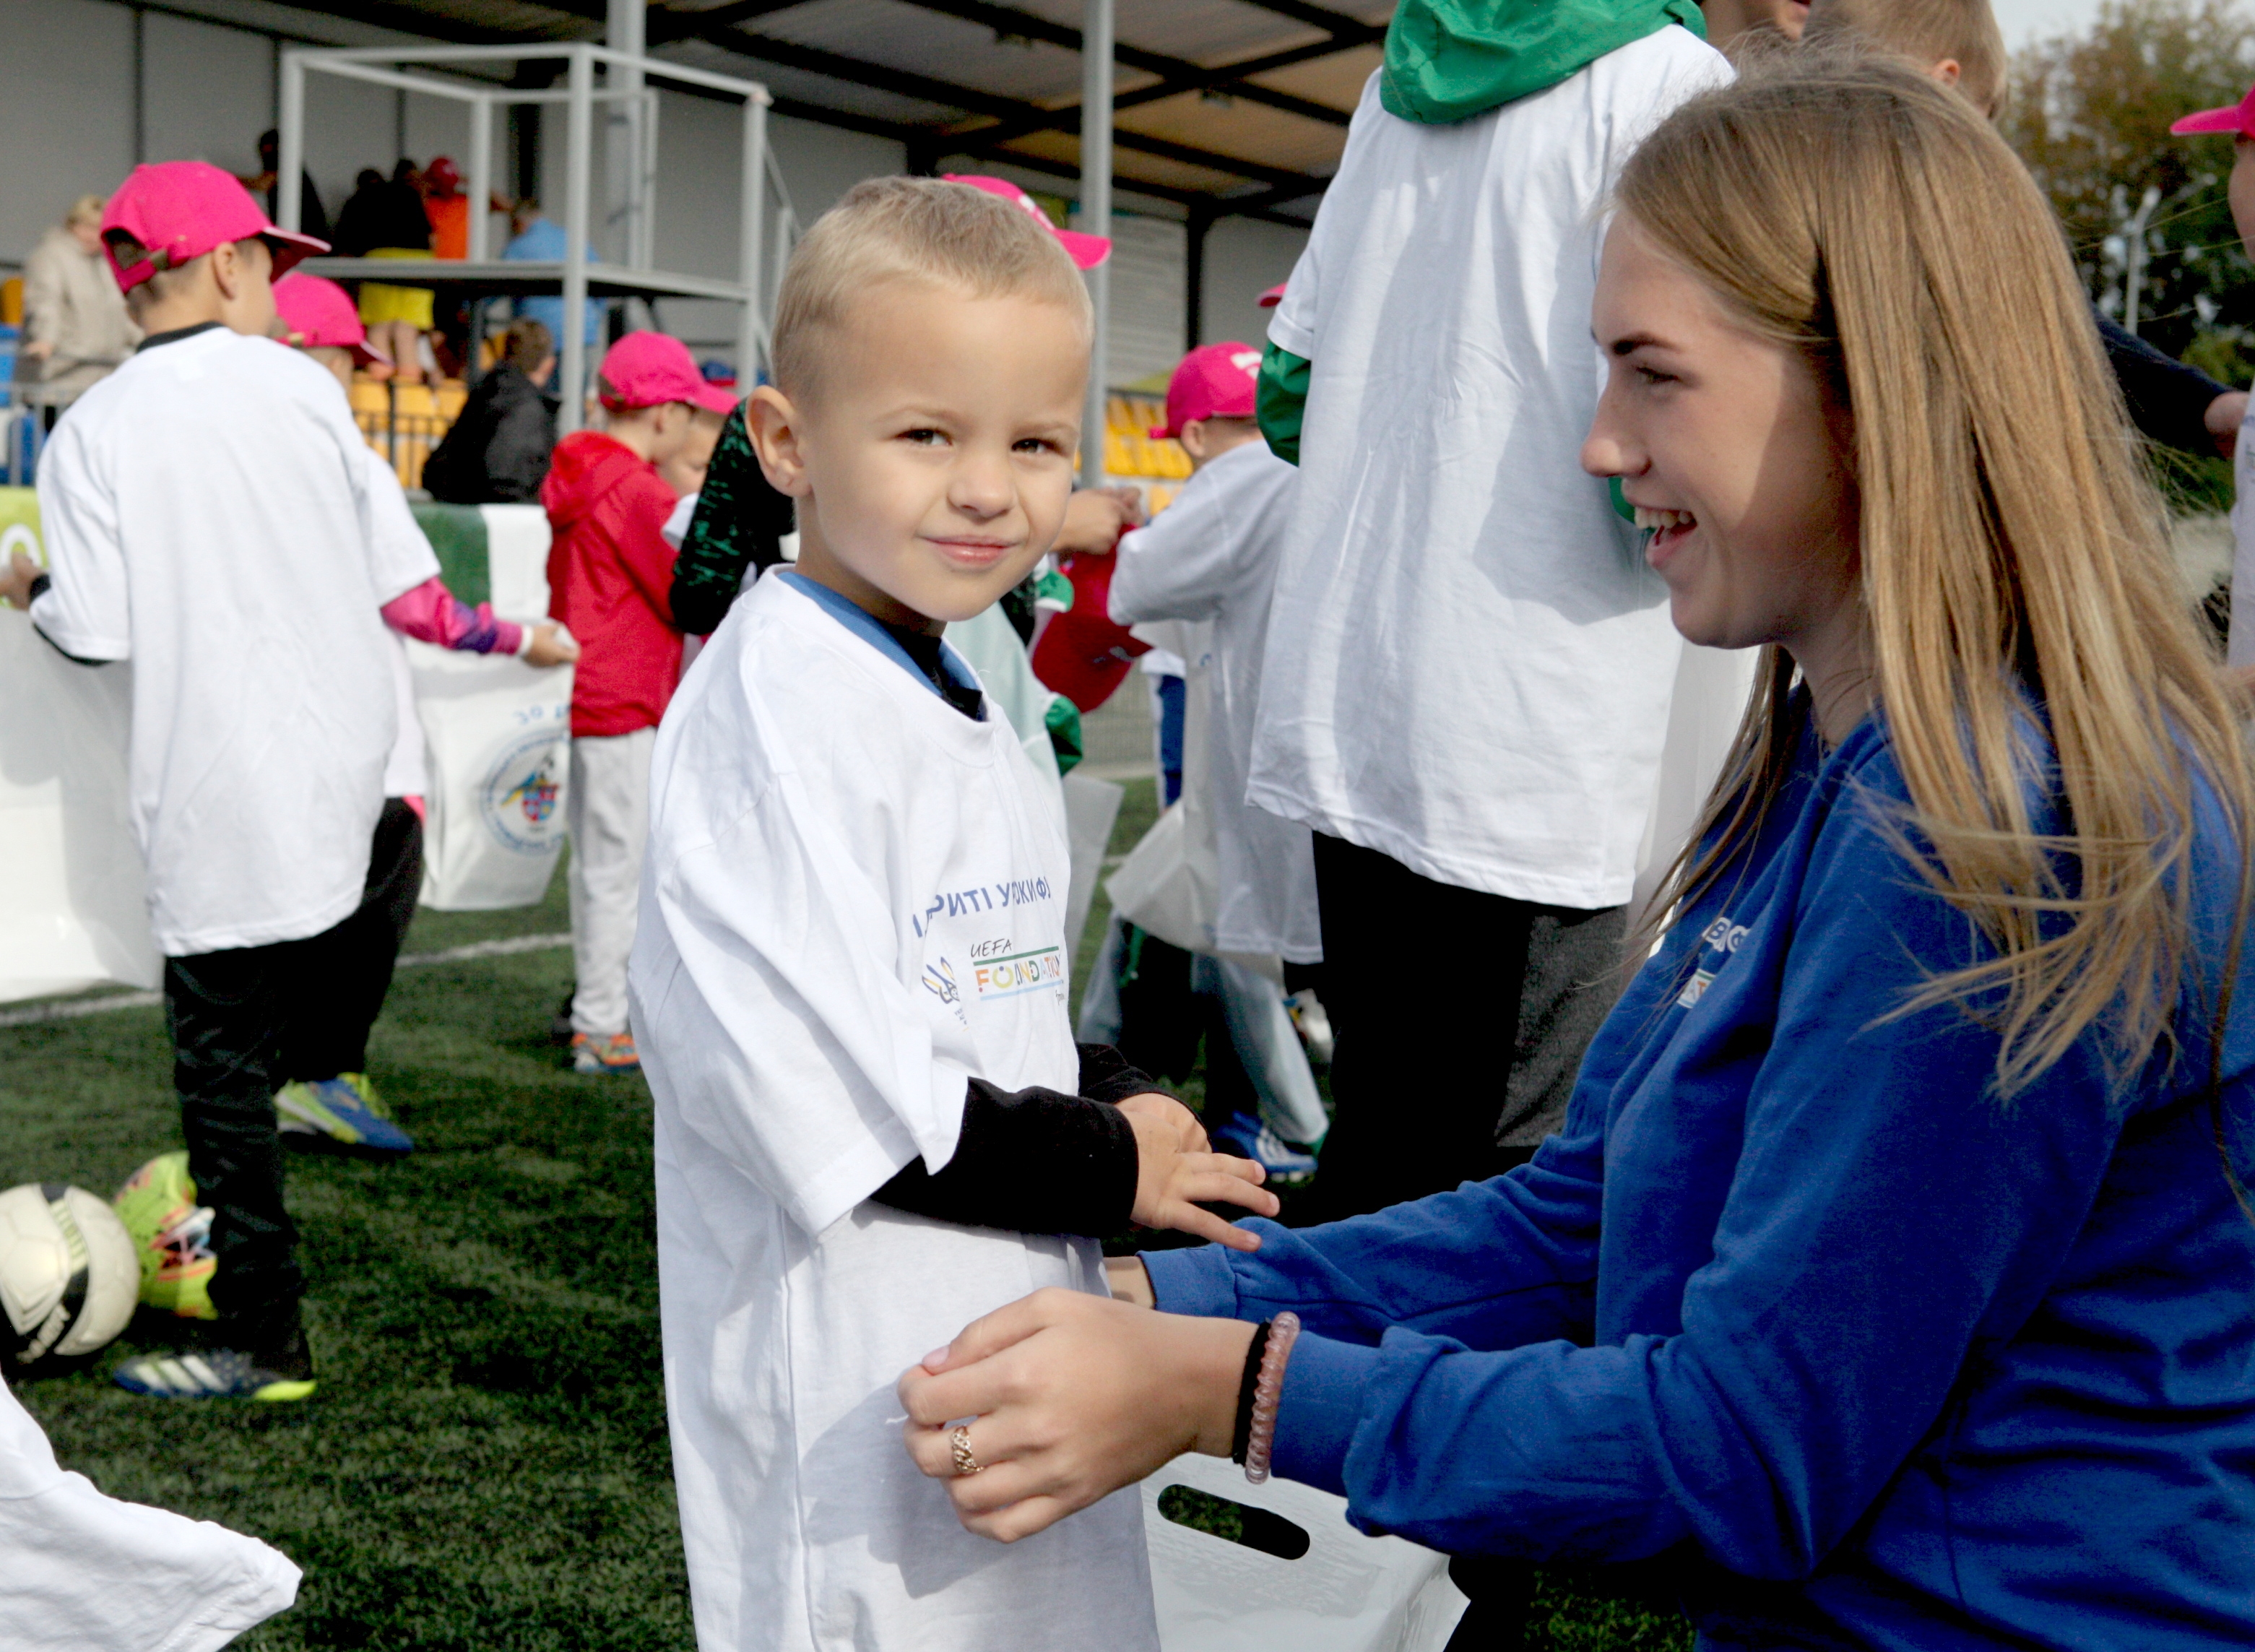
(2023, 20)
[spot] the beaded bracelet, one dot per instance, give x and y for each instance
(1261, 1436)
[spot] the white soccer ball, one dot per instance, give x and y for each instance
(69, 1277)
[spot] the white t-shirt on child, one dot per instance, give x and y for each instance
(852, 903)
(207, 515)
(1212, 555)
(1469, 662)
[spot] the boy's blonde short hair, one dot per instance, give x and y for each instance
(911, 230)
(1926, 31)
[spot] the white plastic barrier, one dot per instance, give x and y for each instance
(73, 915)
(1347, 1593)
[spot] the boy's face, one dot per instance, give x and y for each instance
(684, 471)
(2242, 191)
(1727, 20)
(933, 460)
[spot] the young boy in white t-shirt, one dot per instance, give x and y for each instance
(849, 983)
(207, 515)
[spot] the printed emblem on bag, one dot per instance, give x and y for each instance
(523, 788)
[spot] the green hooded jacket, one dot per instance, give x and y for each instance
(1448, 60)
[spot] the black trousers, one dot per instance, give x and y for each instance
(1461, 1020)
(245, 1022)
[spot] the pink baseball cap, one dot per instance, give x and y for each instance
(1274, 297)
(178, 210)
(648, 369)
(1086, 251)
(2236, 117)
(318, 312)
(1214, 381)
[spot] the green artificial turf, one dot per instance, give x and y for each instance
(485, 1465)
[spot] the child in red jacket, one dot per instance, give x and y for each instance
(609, 573)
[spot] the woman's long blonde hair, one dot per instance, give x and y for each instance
(2011, 542)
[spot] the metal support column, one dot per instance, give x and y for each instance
(752, 330)
(290, 145)
(1194, 278)
(578, 161)
(1096, 217)
(481, 179)
(625, 227)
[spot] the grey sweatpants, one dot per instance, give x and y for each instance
(607, 807)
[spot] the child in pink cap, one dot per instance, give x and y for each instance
(209, 515)
(327, 1067)
(1209, 562)
(610, 572)
(2238, 119)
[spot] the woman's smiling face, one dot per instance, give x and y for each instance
(1725, 442)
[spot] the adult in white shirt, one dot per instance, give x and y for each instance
(1467, 684)
(207, 511)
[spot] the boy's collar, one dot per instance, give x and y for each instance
(175, 335)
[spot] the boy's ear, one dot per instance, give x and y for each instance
(1947, 71)
(773, 424)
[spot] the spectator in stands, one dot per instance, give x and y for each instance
(75, 327)
(537, 239)
(447, 208)
(395, 226)
(311, 215)
(496, 451)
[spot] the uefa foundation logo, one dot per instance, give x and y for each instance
(521, 799)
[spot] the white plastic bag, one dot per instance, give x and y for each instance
(77, 911)
(499, 734)
(1091, 807)
(1347, 1593)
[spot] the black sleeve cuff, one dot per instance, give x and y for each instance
(1032, 1161)
(1105, 1075)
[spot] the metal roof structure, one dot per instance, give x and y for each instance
(1221, 108)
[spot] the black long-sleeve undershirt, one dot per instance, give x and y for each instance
(1037, 1161)
(2167, 400)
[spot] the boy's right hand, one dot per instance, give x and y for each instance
(550, 645)
(1176, 1173)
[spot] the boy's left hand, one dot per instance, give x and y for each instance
(16, 582)
(1176, 1174)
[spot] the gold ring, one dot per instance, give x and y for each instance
(959, 1444)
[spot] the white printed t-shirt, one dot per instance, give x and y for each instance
(1212, 555)
(853, 903)
(207, 515)
(1469, 662)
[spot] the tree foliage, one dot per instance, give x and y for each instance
(2090, 113)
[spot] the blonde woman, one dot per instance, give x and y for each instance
(1888, 1270)
(75, 328)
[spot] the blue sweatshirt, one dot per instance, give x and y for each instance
(1896, 1364)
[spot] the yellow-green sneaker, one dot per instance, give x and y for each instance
(335, 1114)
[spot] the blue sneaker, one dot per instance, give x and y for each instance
(211, 1373)
(339, 1113)
(1247, 1137)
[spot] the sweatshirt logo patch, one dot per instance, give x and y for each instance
(1721, 937)
(1014, 974)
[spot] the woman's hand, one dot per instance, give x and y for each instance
(1072, 1397)
(1175, 1173)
